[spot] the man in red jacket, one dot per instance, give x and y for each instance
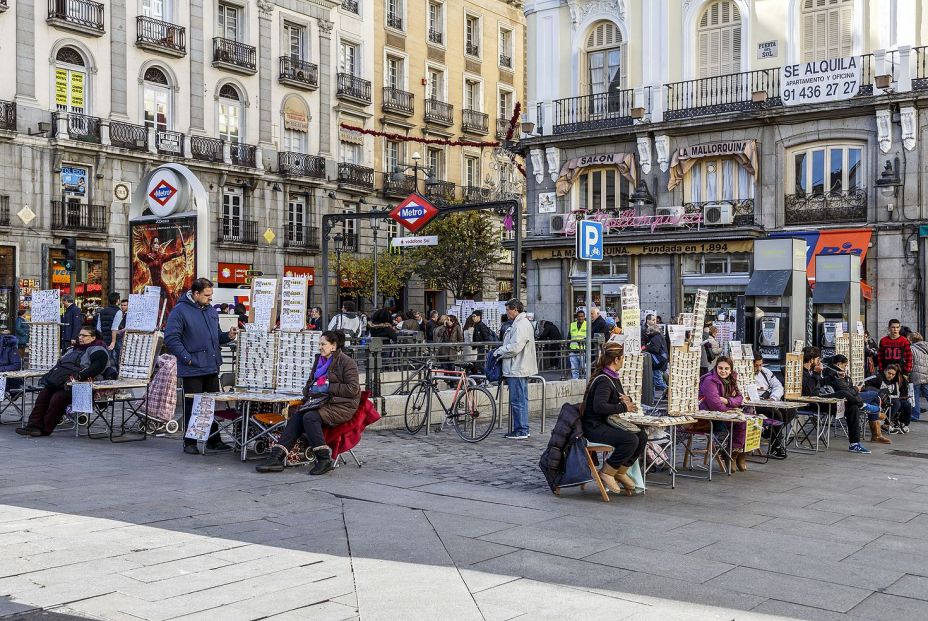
(895, 349)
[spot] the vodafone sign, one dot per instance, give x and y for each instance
(162, 193)
(414, 212)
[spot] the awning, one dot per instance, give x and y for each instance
(768, 282)
(831, 292)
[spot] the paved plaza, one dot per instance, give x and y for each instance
(433, 528)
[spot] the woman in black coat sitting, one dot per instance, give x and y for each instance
(604, 397)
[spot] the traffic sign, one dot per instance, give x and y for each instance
(414, 212)
(590, 240)
(415, 240)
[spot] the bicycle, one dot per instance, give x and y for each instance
(473, 408)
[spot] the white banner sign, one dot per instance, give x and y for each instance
(82, 398)
(293, 304)
(416, 240)
(821, 80)
(201, 418)
(143, 312)
(46, 306)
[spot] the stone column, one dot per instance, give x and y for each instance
(265, 72)
(119, 80)
(197, 61)
(325, 86)
(25, 50)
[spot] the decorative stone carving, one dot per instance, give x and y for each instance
(884, 130)
(662, 146)
(554, 162)
(644, 154)
(581, 9)
(538, 164)
(325, 26)
(909, 130)
(265, 6)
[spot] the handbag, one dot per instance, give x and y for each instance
(576, 466)
(314, 401)
(615, 420)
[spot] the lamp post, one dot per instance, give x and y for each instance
(339, 239)
(399, 169)
(375, 227)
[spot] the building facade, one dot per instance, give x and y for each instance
(671, 123)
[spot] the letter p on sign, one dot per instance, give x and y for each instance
(590, 241)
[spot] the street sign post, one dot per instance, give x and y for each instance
(589, 249)
(414, 241)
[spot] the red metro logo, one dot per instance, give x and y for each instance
(414, 212)
(163, 192)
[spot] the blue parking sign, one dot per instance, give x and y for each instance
(590, 240)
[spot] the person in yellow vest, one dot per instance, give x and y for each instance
(577, 332)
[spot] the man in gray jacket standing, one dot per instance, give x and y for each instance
(519, 363)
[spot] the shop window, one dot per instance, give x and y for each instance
(601, 190)
(826, 169)
(719, 39)
(231, 114)
(716, 264)
(92, 276)
(616, 267)
(718, 180)
(157, 99)
(826, 29)
(604, 52)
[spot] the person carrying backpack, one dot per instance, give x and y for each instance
(348, 322)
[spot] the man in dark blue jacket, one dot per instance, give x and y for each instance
(193, 336)
(71, 322)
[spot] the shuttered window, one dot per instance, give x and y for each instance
(604, 59)
(719, 39)
(826, 29)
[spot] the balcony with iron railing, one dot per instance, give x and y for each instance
(234, 56)
(299, 73)
(730, 212)
(439, 112)
(292, 164)
(301, 237)
(169, 142)
(472, 49)
(475, 121)
(238, 231)
(75, 216)
(597, 112)
(395, 21)
(502, 128)
(474, 194)
(80, 126)
(352, 6)
(735, 92)
(443, 190)
(400, 102)
(206, 149)
(83, 16)
(129, 136)
(244, 154)
(353, 88)
(436, 36)
(826, 207)
(8, 115)
(4, 211)
(355, 176)
(398, 184)
(505, 60)
(158, 36)
(920, 76)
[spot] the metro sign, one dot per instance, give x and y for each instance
(163, 192)
(414, 212)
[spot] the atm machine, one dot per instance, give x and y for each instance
(775, 299)
(836, 298)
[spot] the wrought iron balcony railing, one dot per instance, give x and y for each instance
(8, 115)
(436, 36)
(298, 72)
(352, 6)
(505, 60)
(920, 77)
(395, 100)
(306, 237)
(474, 193)
(401, 186)
(729, 212)
(475, 121)
(356, 175)
(826, 208)
(439, 112)
(502, 127)
(443, 190)
(352, 87)
(162, 36)
(244, 154)
(75, 216)
(169, 142)
(4, 211)
(301, 165)
(80, 126)
(128, 136)
(234, 55)
(734, 92)
(395, 21)
(238, 231)
(85, 14)
(472, 49)
(594, 112)
(206, 149)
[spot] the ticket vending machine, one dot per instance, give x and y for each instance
(775, 299)
(836, 298)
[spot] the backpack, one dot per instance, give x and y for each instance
(493, 368)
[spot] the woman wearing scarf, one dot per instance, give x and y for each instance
(84, 361)
(331, 397)
(719, 391)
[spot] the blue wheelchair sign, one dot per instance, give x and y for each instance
(590, 240)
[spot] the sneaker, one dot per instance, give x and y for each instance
(516, 435)
(904, 429)
(895, 430)
(858, 448)
(191, 449)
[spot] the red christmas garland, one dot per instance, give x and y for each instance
(513, 120)
(402, 138)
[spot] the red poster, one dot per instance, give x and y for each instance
(233, 273)
(164, 255)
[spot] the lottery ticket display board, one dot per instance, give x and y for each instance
(44, 345)
(138, 354)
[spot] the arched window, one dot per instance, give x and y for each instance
(296, 126)
(603, 59)
(71, 92)
(826, 29)
(231, 114)
(719, 39)
(157, 99)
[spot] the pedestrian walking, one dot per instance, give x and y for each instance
(105, 317)
(71, 322)
(577, 333)
(519, 363)
(349, 322)
(895, 349)
(657, 348)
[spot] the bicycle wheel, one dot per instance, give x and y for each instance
(473, 414)
(416, 403)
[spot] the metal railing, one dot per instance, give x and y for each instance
(472, 49)
(867, 72)
(301, 165)
(8, 115)
(78, 12)
(356, 175)
(403, 186)
(352, 6)
(475, 121)
(80, 126)
(474, 194)
(593, 112)
(299, 71)
(353, 87)
(826, 208)
(238, 230)
(243, 154)
(505, 60)
(4, 211)
(741, 211)
(724, 93)
(206, 149)
(306, 237)
(169, 142)
(502, 128)
(234, 53)
(439, 112)
(920, 77)
(129, 136)
(160, 34)
(75, 216)
(440, 189)
(395, 100)
(395, 21)
(436, 36)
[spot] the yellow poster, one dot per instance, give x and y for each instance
(631, 317)
(77, 89)
(61, 87)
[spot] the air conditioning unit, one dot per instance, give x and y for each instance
(557, 222)
(672, 212)
(715, 214)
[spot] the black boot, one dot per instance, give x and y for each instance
(275, 461)
(29, 430)
(324, 461)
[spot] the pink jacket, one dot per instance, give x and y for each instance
(712, 390)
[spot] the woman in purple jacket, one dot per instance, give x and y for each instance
(718, 391)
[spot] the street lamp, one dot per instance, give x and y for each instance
(339, 240)
(641, 196)
(889, 181)
(400, 169)
(375, 227)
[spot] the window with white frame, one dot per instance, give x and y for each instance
(723, 179)
(350, 152)
(349, 58)
(395, 72)
(231, 114)
(296, 219)
(394, 11)
(472, 171)
(601, 189)
(436, 86)
(295, 41)
(504, 105)
(391, 155)
(826, 29)
(825, 169)
(435, 158)
(156, 9)
(473, 94)
(436, 22)
(505, 48)
(350, 227)
(719, 39)
(233, 212)
(393, 229)
(714, 264)
(157, 99)
(229, 24)
(471, 35)
(70, 81)
(604, 52)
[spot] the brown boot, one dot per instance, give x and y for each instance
(622, 477)
(607, 476)
(741, 461)
(876, 435)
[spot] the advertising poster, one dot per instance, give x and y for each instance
(74, 180)
(164, 255)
